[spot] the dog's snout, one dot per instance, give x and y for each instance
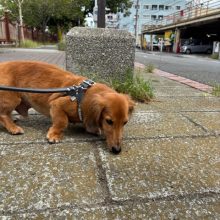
(116, 150)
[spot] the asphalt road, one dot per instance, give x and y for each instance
(196, 67)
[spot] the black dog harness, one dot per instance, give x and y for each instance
(77, 93)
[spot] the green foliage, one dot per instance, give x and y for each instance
(138, 88)
(215, 56)
(216, 90)
(149, 68)
(29, 44)
(61, 45)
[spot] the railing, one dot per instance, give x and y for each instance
(10, 32)
(193, 10)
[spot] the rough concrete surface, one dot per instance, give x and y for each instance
(106, 52)
(168, 168)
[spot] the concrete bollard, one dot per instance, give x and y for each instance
(108, 53)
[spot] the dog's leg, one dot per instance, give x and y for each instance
(60, 122)
(8, 123)
(8, 103)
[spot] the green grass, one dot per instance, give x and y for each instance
(216, 90)
(138, 88)
(61, 45)
(149, 68)
(215, 56)
(29, 44)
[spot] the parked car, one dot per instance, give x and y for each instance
(156, 46)
(196, 46)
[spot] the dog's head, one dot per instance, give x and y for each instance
(110, 113)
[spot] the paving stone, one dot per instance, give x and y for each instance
(182, 91)
(209, 120)
(205, 103)
(160, 124)
(36, 127)
(38, 177)
(204, 208)
(163, 167)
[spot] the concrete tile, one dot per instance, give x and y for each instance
(35, 130)
(160, 124)
(204, 208)
(205, 103)
(158, 168)
(38, 177)
(174, 91)
(209, 120)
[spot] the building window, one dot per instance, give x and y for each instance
(153, 17)
(168, 7)
(154, 7)
(178, 7)
(146, 7)
(161, 7)
(110, 17)
(137, 6)
(146, 16)
(160, 17)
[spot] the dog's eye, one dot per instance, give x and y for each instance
(109, 121)
(125, 122)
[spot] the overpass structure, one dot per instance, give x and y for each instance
(199, 19)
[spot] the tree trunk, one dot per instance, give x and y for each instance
(21, 20)
(101, 14)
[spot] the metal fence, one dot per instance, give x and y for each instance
(10, 32)
(193, 10)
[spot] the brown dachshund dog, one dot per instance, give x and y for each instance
(104, 111)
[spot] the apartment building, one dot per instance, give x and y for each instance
(150, 12)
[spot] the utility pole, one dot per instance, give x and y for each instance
(136, 20)
(101, 14)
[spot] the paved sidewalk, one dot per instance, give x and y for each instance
(168, 168)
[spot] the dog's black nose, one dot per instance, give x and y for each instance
(116, 150)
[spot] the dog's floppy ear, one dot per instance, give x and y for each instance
(131, 104)
(92, 114)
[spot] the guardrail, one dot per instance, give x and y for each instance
(193, 10)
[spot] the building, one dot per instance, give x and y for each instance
(148, 12)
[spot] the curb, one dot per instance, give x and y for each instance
(180, 79)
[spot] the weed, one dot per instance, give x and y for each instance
(61, 45)
(138, 88)
(215, 56)
(149, 68)
(135, 86)
(216, 90)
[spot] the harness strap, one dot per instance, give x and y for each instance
(77, 93)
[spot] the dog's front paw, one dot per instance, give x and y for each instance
(16, 130)
(53, 138)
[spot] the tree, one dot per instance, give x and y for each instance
(15, 7)
(57, 14)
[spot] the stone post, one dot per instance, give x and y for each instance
(109, 53)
